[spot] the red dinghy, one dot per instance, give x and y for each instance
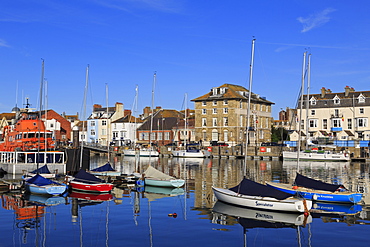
(84, 181)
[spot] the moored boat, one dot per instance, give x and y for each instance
(317, 190)
(255, 195)
(85, 181)
(40, 185)
(154, 177)
(105, 170)
(316, 155)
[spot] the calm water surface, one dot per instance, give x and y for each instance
(138, 217)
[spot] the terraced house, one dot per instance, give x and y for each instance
(339, 116)
(221, 115)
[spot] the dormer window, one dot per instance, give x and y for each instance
(336, 100)
(222, 90)
(313, 101)
(361, 98)
(215, 90)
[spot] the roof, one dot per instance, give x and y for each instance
(128, 119)
(231, 92)
(162, 119)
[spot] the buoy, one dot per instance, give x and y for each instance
(175, 215)
(295, 187)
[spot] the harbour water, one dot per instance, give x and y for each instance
(188, 216)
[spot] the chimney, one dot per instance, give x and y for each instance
(323, 92)
(347, 89)
(146, 111)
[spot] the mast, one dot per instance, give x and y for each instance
(249, 105)
(151, 118)
(308, 96)
(84, 112)
(186, 123)
(108, 129)
(301, 109)
(40, 113)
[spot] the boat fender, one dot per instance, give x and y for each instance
(295, 187)
(314, 197)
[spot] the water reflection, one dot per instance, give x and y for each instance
(100, 220)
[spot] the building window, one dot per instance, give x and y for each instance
(166, 136)
(313, 123)
(215, 102)
(204, 135)
(337, 123)
(214, 120)
(324, 123)
(146, 136)
(92, 123)
(92, 132)
(361, 122)
(204, 122)
(313, 101)
(361, 110)
(104, 132)
(349, 123)
(204, 103)
(361, 98)
(336, 100)
(226, 110)
(261, 134)
(240, 104)
(159, 135)
(222, 90)
(336, 113)
(214, 135)
(104, 122)
(225, 102)
(204, 111)
(226, 121)
(313, 112)
(226, 136)
(214, 110)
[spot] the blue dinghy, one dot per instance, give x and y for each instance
(316, 190)
(40, 185)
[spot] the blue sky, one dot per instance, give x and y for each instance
(192, 45)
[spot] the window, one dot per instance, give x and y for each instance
(166, 135)
(214, 91)
(313, 101)
(313, 112)
(159, 135)
(214, 135)
(324, 123)
(215, 102)
(302, 124)
(361, 110)
(312, 123)
(204, 122)
(240, 104)
(146, 136)
(214, 110)
(226, 136)
(337, 123)
(104, 132)
(336, 100)
(222, 90)
(92, 123)
(204, 103)
(225, 102)
(92, 132)
(226, 110)
(361, 98)
(204, 135)
(349, 123)
(204, 111)
(261, 134)
(104, 122)
(115, 134)
(226, 121)
(361, 122)
(336, 113)
(214, 120)
(152, 136)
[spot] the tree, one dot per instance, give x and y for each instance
(279, 134)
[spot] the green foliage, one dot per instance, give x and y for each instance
(279, 134)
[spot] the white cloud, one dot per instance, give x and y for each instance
(3, 43)
(315, 20)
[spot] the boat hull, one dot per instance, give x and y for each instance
(175, 183)
(92, 188)
(143, 153)
(319, 195)
(314, 156)
(264, 203)
(50, 189)
(186, 154)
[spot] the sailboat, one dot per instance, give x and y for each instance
(84, 181)
(252, 194)
(38, 184)
(190, 150)
(154, 177)
(310, 154)
(310, 188)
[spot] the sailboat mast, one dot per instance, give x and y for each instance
(249, 105)
(185, 119)
(108, 129)
(308, 96)
(151, 118)
(40, 113)
(84, 113)
(301, 109)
